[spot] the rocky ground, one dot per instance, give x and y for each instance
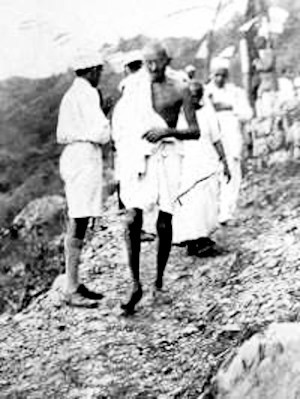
(173, 345)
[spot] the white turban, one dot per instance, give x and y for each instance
(85, 60)
(132, 56)
(190, 68)
(219, 63)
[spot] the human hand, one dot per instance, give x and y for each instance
(154, 135)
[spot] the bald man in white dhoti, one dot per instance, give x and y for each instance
(144, 126)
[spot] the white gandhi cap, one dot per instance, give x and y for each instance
(219, 63)
(190, 68)
(132, 56)
(85, 60)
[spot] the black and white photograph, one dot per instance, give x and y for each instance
(149, 199)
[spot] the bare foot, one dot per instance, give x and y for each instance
(136, 296)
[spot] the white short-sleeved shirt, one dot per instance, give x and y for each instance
(82, 127)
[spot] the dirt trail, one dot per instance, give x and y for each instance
(170, 348)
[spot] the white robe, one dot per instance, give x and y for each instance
(196, 211)
(231, 136)
(148, 173)
(82, 128)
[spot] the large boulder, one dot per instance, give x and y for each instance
(267, 366)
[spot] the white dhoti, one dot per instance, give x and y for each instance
(148, 173)
(197, 205)
(81, 171)
(196, 212)
(158, 186)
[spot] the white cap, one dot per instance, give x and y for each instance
(219, 63)
(132, 56)
(190, 68)
(85, 60)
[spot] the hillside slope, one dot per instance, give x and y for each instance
(174, 343)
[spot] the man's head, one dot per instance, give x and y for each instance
(92, 74)
(196, 89)
(190, 71)
(89, 67)
(156, 59)
(220, 77)
(133, 67)
(220, 71)
(133, 62)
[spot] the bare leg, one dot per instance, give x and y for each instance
(164, 232)
(73, 245)
(77, 294)
(134, 221)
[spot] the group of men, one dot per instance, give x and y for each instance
(177, 145)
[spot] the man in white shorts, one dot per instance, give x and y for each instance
(82, 129)
(147, 140)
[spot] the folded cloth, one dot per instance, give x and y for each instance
(133, 116)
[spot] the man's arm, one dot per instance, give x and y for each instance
(97, 129)
(222, 157)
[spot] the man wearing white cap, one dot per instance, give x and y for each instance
(232, 108)
(82, 129)
(190, 70)
(133, 62)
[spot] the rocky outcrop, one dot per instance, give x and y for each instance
(46, 211)
(265, 367)
(31, 252)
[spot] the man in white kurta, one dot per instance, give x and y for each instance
(232, 107)
(197, 205)
(82, 129)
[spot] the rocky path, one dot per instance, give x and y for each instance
(174, 344)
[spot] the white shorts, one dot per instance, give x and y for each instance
(81, 171)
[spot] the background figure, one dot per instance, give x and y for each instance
(133, 62)
(197, 206)
(286, 90)
(291, 121)
(232, 107)
(265, 66)
(82, 128)
(190, 71)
